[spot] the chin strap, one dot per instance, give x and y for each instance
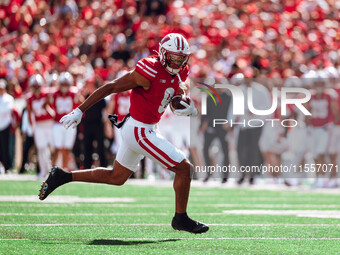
(171, 70)
(181, 83)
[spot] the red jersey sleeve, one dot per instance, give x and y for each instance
(146, 68)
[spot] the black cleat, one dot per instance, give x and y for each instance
(189, 225)
(56, 178)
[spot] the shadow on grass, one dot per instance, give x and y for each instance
(132, 242)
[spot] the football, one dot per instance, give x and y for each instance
(175, 102)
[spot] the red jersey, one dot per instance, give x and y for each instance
(122, 104)
(148, 106)
(337, 90)
(321, 110)
(64, 103)
(36, 103)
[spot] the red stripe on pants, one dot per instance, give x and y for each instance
(162, 153)
(139, 141)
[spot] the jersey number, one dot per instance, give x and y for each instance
(38, 107)
(320, 109)
(169, 92)
(64, 105)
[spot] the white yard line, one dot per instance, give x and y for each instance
(195, 183)
(151, 224)
(67, 199)
(82, 214)
(102, 204)
(174, 239)
(299, 213)
(281, 212)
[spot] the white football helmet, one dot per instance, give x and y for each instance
(65, 77)
(292, 81)
(36, 80)
(174, 52)
(3, 84)
(237, 79)
(332, 72)
(308, 78)
(65, 81)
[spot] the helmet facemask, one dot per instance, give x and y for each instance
(65, 82)
(36, 89)
(36, 82)
(176, 60)
(173, 61)
(64, 87)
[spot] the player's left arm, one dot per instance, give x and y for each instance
(335, 110)
(29, 115)
(308, 117)
(333, 104)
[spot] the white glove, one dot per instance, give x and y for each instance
(189, 110)
(72, 119)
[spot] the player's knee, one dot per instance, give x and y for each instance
(120, 182)
(115, 179)
(185, 169)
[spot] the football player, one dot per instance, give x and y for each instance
(273, 143)
(6, 109)
(40, 116)
(334, 146)
(323, 109)
(154, 81)
(298, 135)
(64, 100)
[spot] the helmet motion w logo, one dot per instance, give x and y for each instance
(174, 53)
(179, 43)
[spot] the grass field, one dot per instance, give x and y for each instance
(135, 219)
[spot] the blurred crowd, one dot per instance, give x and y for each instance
(99, 38)
(97, 41)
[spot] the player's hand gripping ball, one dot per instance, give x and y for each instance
(183, 106)
(175, 103)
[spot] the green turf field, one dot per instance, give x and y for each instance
(266, 222)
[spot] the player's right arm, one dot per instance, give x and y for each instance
(308, 117)
(29, 115)
(128, 81)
